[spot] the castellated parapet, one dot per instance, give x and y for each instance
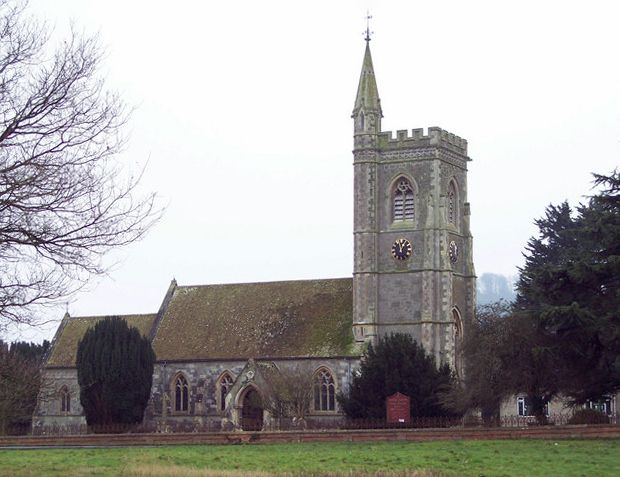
(436, 137)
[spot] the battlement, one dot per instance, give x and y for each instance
(436, 137)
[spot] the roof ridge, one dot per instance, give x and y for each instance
(301, 280)
(98, 317)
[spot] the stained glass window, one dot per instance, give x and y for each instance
(225, 383)
(324, 391)
(181, 394)
(65, 400)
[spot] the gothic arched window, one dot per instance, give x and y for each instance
(223, 387)
(65, 400)
(452, 203)
(458, 338)
(324, 391)
(403, 206)
(181, 394)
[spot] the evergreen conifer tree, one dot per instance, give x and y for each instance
(397, 364)
(570, 290)
(115, 372)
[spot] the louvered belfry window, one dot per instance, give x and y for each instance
(452, 204)
(403, 201)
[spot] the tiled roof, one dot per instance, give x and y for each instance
(272, 319)
(72, 329)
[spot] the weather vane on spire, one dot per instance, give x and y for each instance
(368, 33)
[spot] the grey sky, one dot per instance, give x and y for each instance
(243, 113)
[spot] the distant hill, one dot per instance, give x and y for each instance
(491, 287)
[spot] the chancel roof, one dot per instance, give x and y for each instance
(71, 330)
(236, 321)
(253, 320)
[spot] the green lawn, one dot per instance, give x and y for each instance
(565, 458)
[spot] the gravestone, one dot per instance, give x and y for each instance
(397, 409)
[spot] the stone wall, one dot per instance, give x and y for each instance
(48, 411)
(204, 411)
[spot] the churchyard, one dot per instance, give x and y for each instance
(388, 459)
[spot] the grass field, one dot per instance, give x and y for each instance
(565, 458)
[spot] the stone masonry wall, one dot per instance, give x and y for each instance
(204, 411)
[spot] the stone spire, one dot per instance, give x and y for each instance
(367, 110)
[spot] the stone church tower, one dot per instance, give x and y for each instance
(413, 268)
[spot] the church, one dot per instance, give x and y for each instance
(216, 345)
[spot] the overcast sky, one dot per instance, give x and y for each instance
(243, 115)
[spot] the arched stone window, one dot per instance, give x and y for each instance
(324, 391)
(452, 204)
(403, 200)
(457, 324)
(180, 393)
(65, 399)
(223, 387)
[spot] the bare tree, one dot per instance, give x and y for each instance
(63, 200)
(505, 354)
(485, 384)
(291, 393)
(21, 380)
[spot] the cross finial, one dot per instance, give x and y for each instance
(368, 33)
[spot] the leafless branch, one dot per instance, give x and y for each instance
(291, 392)
(63, 202)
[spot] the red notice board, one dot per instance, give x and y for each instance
(397, 408)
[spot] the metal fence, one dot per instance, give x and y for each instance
(313, 423)
(413, 423)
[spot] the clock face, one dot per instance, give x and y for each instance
(453, 251)
(402, 249)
